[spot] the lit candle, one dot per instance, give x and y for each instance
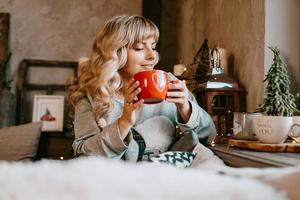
(178, 69)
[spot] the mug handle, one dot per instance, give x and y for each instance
(291, 133)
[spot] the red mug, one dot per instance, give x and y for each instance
(154, 85)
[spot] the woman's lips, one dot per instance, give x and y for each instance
(148, 66)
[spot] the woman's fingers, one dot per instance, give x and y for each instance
(132, 106)
(134, 94)
(131, 86)
(176, 100)
(175, 94)
(177, 91)
(138, 104)
(128, 84)
(132, 91)
(176, 97)
(176, 85)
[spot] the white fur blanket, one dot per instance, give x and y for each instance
(97, 178)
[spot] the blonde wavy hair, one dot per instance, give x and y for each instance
(99, 75)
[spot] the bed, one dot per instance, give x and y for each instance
(99, 178)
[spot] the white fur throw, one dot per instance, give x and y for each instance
(97, 178)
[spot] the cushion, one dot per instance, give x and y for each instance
(20, 142)
(180, 159)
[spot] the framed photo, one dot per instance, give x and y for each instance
(50, 110)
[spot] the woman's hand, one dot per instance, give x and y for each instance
(131, 106)
(178, 94)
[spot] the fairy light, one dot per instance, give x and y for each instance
(213, 144)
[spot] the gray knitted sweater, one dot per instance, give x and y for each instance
(156, 124)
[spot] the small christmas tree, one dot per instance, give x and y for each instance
(278, 100)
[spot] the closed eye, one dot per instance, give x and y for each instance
(138, 49)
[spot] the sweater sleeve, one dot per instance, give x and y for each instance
(199, 123)
(90, 140)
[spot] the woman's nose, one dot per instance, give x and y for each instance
(150, 54)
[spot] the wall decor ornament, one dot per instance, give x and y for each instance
(202, 58)
(50, 110)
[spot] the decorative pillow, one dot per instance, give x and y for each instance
(20, 142)
(180, 159)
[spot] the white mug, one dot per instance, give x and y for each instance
(295, 131)
(273, 129)
(243, 125)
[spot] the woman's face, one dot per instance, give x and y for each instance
(140, 56)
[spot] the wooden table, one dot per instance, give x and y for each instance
(237, 157)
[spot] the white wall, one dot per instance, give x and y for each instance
(282, 29)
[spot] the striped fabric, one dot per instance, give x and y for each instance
(141, 142)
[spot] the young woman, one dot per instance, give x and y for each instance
(109, 120)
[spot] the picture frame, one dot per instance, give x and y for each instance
(50, 110)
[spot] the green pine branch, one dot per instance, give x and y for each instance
(278, 100)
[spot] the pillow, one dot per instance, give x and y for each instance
(180, 159)
(20, 142)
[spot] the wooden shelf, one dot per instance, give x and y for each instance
(236, 157)
(53, 145)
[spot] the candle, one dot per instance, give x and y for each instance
(178, 69)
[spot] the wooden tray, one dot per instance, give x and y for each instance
(259, 146)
